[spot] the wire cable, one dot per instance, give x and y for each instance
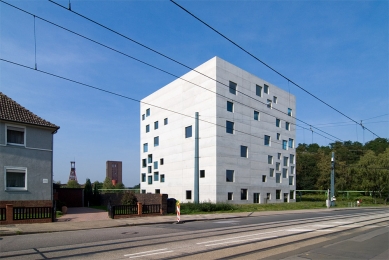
(265, 64)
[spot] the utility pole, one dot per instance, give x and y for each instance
(196, 161)
(333, 180)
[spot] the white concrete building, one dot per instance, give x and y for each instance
(246, 137)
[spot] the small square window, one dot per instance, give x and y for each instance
(278, 166)
(143, 177)
(188, 194)
(289, 112)
(278, 194)
(150, 179)
(202, 173)
(143, 191)
(156, 125)
(229, 175)
(150, 158)
(144, 163)
(271, 172)
(269, 103)
(287, 126)
(268, 196)
(157, 191)
(16, 178)
(270, 159)
(188, 131)
(279, 156)
(148, 112)
(278, 122)
(256, 115)
(278, 177)
(284, 144)
(162, 178)
(230, 196)
(267, 140)
(243, 151)
(161, 161)
(165, 121)
(156, 176)
(230, 106)
(258, 90)
(15, 135)
(229, 127)
(156, 141)
(149, 169)
(155, 165)
(147, 128)
(243, 194)
(143, 117)
(232, 87)
(275, 100)
(263, 178)
(145, 148)
(266, 89)
(284, 173)
(278, 136)
(291, 180)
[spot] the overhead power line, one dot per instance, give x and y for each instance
(268, 66)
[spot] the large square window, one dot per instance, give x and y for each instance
(230, 175)
(243, 151)
(145, 148)
(16, 178)
(150, 179)
(291, 180)
(229, 127)
(266, 89)
(278, 177)
(156, 141)
(256, 115)
(230, 196)
(284, 173)
(188, 131)
(15, 135)
(271, 172)
(243, 194)
(270, 159)
(155, 165)
(267, 140)
(156, 125)
(188, 195)
(278, 194)
(286, 160)
(284, 144)
(263, 178)
(232, 87)
(156, 176)
(230, 106)
(258, 90)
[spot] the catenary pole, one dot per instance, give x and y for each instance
(196, 163)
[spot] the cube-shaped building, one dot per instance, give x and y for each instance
(246, 137)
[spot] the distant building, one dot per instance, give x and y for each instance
(72, 175)
(114, 171)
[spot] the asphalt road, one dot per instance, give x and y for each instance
(344, 234)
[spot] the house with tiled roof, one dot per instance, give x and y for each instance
(26, 160)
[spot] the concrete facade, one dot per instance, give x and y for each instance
(167, 165)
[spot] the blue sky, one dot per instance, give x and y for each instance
(337, 50)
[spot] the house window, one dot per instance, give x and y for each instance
(232, 87)
(150, 179)
(286, 161)
(157, 191)
(279, 156)
(291, 169)
(258, 90)
(165, 121)
(243, 151)
(287, 126)
(269, 103)
(161, 161)
(284, 144)
(278, 194)
(145, 148)
(243, 194)
(188, 194)
(278, 122)
(268, 196)
(278, 177)
(284, 173)
(148, 112)
(149, 169)
(229, 175)
(230, 196)
(266, 89)
(15, 135)
(270, 159)
(291, 180)
(16, 178)
(267, 140)
(156, 125)
(188, 131)
(202, 173)
(277, 166)
(291, 159)
(144, 162)
(289, 112)
(255, 197)
(150, 158)
(263, 178)
(147, 128)
(230, 106)
(278, 136)
(275, 100)
(156, 176)
(256, 115)
(143, 191)
(229, 127)
(162, 178)
(271, 172)
(143, 177)
(291, 143)
(143, 117)
(291, 195)
(155, 165)
(156, 141)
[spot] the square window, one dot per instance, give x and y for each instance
(278, 177)
(229, 127)
(150, 179)
(278, 122)
(150, 158)
(267, 140)
(291, 159)
(149, 169)
(230, 106)
(291, 143)
(270, 159)
(291, 169)
(289, 112)
(286, 160)
(277, 166)
(15, 135)
(16, 178)
(284, 145)
(287, 126)
(268, 103)
(157, 191)
(291, 180)
(291, 195)
(145, 148)
(266, 89)
(156, 125)
(256, 197)
(143, 191)
(162, 178)
(143, 177)
(268, 196)
(230, 175)
(143, 117)
(188, 131)
(232, 87)
(156, 141)
(155, 165)
(263, 178)
(156, 176)
(275, 100)
(243, 151)
(278, 136)
(258, 90)
(243, 194)
(202, 173)
(271, 172)
(165, 121)
(144, 163)
(284, 173)
(230, 196)
(279, 156)
(256, 115)
(188, 194)
(161, 161)
(278, 194)
(148, 112)
(147, 128)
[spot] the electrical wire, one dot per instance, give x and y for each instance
(265, 64)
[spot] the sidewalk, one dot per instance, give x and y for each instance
(85, 218)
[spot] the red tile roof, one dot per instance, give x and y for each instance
(12, 111)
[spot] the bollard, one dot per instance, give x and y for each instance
(178, 211)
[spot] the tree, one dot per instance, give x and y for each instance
(88, 193)
(107, 184)
(73, 184)
(96, 194)
(129, 198)
(121, 186)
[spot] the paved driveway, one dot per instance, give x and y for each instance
(83, 214)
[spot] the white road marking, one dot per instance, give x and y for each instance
(299, 230)
(324, 230)
(242, 240)
(226, 221)
(257, 234)
(145, 252)
(341, 222)
(163, 252)
(317, 225)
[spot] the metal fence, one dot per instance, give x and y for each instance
(151, 209)
(3, 215)
(122, 210)
(32, 213)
